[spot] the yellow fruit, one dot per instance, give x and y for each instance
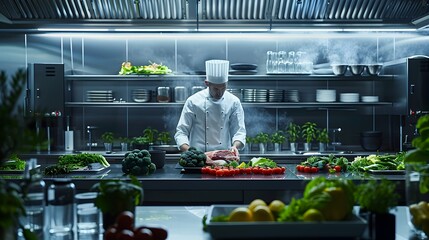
(276, 206)
(313, 215)
(255, 203)
(262, 213)
(241, 214)
(338, 207)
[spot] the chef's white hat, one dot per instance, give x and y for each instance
(217, 71)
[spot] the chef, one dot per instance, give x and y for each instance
(213, 118)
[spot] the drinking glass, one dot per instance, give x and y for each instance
(88, 215)
(272, 64)
(282, 62)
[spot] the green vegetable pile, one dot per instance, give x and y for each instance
(377, 196)
(137, 163)
(262, 162)
(378, 162)
(15, 163)
(70, 162)
(332, 197)
(154, 68)
(192, 158)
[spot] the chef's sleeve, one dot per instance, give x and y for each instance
(184, 125)
(237, 127)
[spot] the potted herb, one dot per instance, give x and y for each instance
(124, 141)
(278, 138)
(293, 133)
(322, 137)
(308, 132)
(140, 142)
(108, 139)
(164, 138)
(249, 142)
(377, 198)
(262, 139)
(417, 176)
(116, 196)
(150, 135)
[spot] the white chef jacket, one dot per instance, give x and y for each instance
(211, 125)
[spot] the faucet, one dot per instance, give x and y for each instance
(335, 142)
(90, 144)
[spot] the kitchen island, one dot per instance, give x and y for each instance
(171, 185)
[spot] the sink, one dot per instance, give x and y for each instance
(323, 153)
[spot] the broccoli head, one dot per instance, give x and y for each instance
(137, 162)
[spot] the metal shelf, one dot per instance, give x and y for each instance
(276, 77)
(245, 104)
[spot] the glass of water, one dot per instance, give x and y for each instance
(88, 215)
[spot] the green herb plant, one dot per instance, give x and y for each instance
(150, 134)
(419, 157)
(293, 132)
(164, 137)
(107, 137)
(322, 135)
(262, 137)
(377, 196)
(278, 137)
(308, 131)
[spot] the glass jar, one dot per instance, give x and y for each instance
(272, 64)
(163, 95)
(61, 207)
(417, 190)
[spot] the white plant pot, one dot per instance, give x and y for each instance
(307, 147)
(262, 147)
(322, 147)
(108, 147)
(277, 147)
(293, 146)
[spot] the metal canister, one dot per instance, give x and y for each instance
(180, 94)
(196, 89)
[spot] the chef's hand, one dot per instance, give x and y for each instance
(235, 151)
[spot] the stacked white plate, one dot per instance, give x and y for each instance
(369, 98)
(349, 97)
(99, 96)
(275, 95)
(325, 95)
(291, 96)
(236, 92)
(141, 95)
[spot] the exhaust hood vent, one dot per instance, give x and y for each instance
(28, 14)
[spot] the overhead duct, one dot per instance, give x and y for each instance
(18, 14)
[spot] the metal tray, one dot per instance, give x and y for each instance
(353, 227)
(387, 172)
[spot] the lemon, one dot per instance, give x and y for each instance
(338, 207)
(313, 215)
(262, 213)
(241, 214)
(255, 203)
(276, 206)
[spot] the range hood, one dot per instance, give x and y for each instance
(200, 14)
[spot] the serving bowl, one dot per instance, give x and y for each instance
(339, 69)
(357, 69)
(373, 69)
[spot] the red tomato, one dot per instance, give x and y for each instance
(314, 169)
(219, 173)
(125, 220)
(255, 170)
(238, 171)
(212, 171)
(301, 168)
(248, 170)
(277, 170)
(307, 169)
(337, 168)
(226, 172)
(283, 170)
(298, 168)
(204, 170)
